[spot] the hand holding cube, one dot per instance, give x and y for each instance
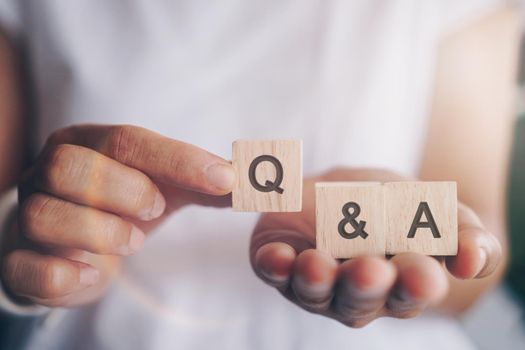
(363, 220)
(361, 289)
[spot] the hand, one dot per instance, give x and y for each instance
(90, 198)
(359, 290)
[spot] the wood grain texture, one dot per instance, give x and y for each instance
(330, 200)
(245, 197)
(401, 205)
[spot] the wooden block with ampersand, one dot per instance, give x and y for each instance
(350, 218)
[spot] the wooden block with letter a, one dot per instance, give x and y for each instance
(421, 217)
(350, 218)
(269, 175)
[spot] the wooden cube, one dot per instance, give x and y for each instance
(269, 175)
(421, 217)
(350, 218)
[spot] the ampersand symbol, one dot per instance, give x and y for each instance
(349, 218)
(269, 186)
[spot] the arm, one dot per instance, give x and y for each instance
(11, 121)
(473, 107)
(12, 150)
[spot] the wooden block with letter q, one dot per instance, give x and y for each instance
(421, 217)
(350, 218)
(269, 175)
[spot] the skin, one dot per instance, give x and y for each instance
(114, 184)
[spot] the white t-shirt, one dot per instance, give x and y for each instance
(350, 78)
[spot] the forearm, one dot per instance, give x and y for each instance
(473, 105)
(12, 139)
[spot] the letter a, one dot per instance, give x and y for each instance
(423, 208)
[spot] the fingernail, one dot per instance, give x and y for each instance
(134, 243)
(221, 176)
(311, 290)
(482, 262)
(275, 268)
(269, 276)
(273, 277)
(88, 276)
(159, 205)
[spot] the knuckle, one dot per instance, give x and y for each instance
(53, 303)
(44, 279)
(114, 234)
(403, 310)
(356, 313)
(15, 272)
(357, 322)
(316, 307)
(10, 265)
(33, 212)
(121, 144)
(406, 314)
(57, 136)
(179, 164)
(143, 193)
(61, 163)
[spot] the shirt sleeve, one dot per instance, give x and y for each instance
(11, 17)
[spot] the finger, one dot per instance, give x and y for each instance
(86, 177)
(313, 279)
(170, 161)
(297, 240)
(108, 267)
(421, 281)
(479, 251)
(32, 275)
(273, 252)
(273, 263)
(362, 288)
(55, 222)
